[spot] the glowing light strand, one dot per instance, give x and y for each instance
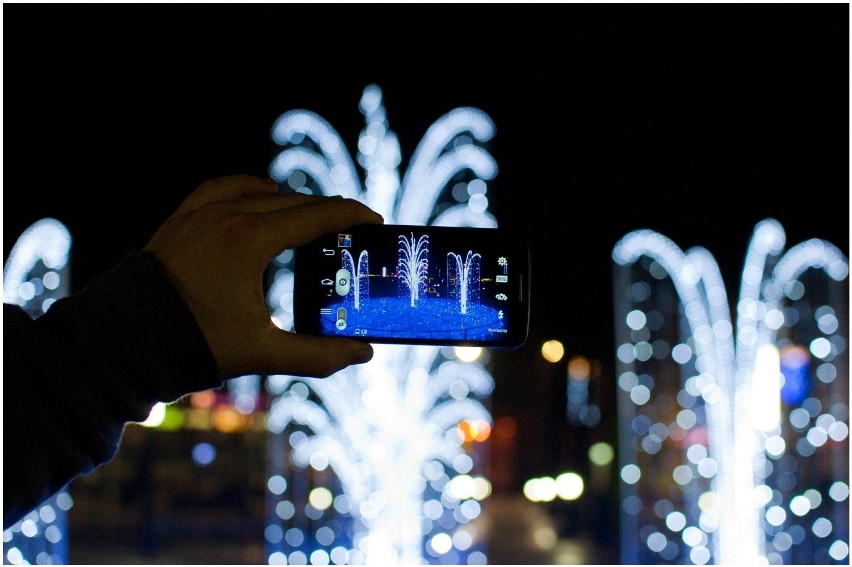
(432, 164)
(686, 277)
(739, 533)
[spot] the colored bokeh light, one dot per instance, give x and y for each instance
(552, 351)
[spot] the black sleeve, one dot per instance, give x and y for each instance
(75, 376)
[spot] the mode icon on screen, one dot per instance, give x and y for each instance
(341, 281)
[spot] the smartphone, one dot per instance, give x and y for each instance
(406, 284)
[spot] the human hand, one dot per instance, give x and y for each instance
(215, 249)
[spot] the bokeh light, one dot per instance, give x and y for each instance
(156, 415)
(468, 354)
(601, 453)
(552, 351)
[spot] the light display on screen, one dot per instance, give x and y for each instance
(733, 445)
(35, 275)
(431, 291)
(382, 463)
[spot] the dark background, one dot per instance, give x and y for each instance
(697, 121)
(694, 121)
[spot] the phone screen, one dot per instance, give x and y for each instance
(415, 285)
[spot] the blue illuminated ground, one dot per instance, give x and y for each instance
(433, 318)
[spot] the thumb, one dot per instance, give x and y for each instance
(309, 355)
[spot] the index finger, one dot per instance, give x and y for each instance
(227, 188)
(294, 226)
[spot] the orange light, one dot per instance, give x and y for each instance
(483, 430)
(475, 430)
(505, 428)
(552, 351)
(468, 430)
(228, 420)
(203, 400)
(579, 368)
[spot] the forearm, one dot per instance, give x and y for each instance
(75, 376)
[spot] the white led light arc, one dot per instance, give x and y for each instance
(740, 537)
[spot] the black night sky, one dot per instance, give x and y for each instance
(697, 121)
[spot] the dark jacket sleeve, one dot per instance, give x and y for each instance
(75, 376)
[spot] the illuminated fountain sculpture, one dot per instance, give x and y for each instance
(381, 463)
(360, 287)
(733, 446)
(420, 300)
(460, 273)
(413, 265)
(35, 275)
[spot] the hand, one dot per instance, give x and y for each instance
(215, 249)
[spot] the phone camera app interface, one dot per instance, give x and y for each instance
(421, 285)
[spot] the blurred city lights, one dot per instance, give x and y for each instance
(320, 498)
(552, 351)
(545, 537)
(566, 486)
(468, 354)
(601, 453)
(579, 408)
(228, 419)
(475, 430)
(540, 489)
(795, 362)
(156, 415)
(203, 400)
(203, 454)
(766, 389)
(569, 486)
(579, 368)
